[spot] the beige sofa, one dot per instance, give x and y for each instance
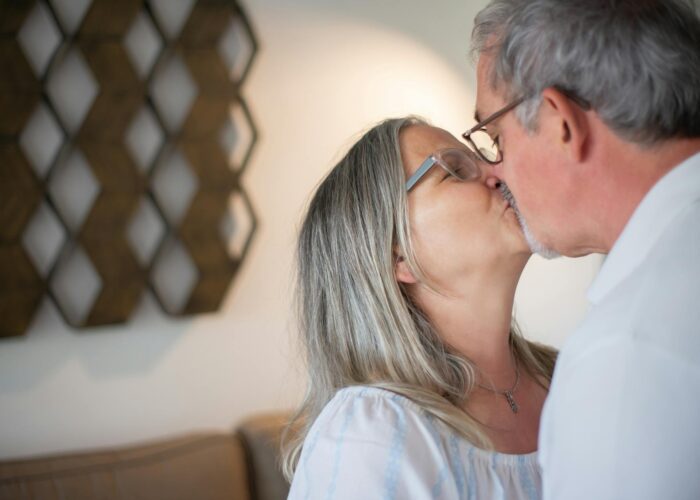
(241, 465)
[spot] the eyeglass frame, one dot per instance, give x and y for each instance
(427, 164)
(481, 126)
(579, 101)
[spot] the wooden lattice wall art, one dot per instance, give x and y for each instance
(123, 137)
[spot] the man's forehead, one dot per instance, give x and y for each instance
(488, 99)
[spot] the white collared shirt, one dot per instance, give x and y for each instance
(622, 420)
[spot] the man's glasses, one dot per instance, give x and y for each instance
(489, 149)
(481, 142)
(456, 162)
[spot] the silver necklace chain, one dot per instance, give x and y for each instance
(508, 393)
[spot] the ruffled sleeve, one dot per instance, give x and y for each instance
(369, 443)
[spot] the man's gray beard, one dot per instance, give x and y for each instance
(532, 241)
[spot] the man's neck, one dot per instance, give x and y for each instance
(627, 174)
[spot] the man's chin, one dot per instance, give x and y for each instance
(535, 245)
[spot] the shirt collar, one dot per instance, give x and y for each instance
(672, 193)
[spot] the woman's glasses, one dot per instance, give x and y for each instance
(456, 162)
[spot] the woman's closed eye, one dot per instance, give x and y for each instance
(458, 174)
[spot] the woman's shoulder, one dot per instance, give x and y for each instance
(364, 441)
(373, 397)
(371, 416)
(355, 405)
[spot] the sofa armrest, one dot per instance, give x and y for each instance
(260, 437)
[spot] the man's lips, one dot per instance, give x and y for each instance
(508, 201)
(506, 205)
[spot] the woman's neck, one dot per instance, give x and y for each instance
(474, 315)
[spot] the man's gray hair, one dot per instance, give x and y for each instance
(636, 62)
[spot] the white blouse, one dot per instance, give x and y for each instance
(369, 443)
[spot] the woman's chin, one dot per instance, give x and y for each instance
(517, 229)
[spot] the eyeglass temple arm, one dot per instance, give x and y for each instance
(493, 117)
(424, 167)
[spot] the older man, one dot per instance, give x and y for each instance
(589, 112)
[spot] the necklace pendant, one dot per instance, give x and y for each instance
(511, 401)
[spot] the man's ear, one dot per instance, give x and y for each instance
(567, 123)
(403, 272)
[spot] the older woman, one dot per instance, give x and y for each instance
(419, 384)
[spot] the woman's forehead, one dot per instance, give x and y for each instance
(420, 141)
(425, 139)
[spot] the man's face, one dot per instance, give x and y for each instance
(529, 168)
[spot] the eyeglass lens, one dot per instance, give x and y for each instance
(485, 145)
(460, 164)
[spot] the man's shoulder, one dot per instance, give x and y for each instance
(657, 305)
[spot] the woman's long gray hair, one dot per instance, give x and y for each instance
(358, 325)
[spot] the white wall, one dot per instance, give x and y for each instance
(326, 70)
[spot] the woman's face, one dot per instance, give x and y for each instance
(457, 227)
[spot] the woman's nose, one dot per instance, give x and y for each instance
(492, 181)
